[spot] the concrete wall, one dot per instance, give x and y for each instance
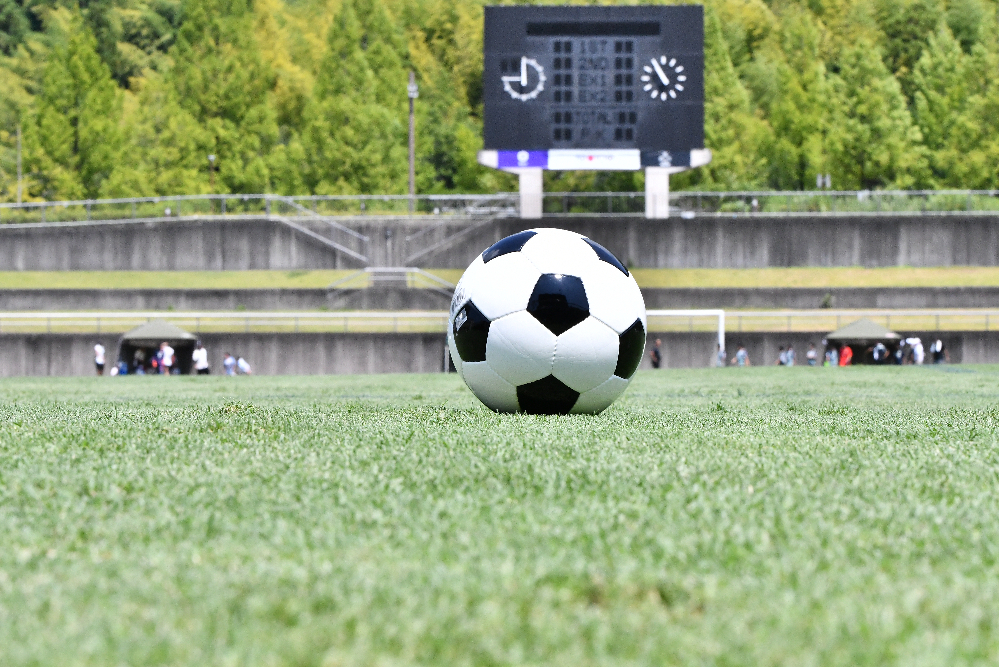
(373, 298)
(164, 245)
(758, 241)
(390, 298)
(683, 350)
(321, 354)
(793, 298)
(268, 354)
(710, 242)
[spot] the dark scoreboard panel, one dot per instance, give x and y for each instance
(594, 77)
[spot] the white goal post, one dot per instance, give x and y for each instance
(690, 316)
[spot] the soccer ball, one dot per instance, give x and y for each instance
(547, 322)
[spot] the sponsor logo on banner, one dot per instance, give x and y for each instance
(603, 160)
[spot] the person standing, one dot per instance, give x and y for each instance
(229, 364)
(845, 355)
(789, 358)
(781, 357)
(812, 356)
(99, 353)
(720, 357)
(938, 351)
(741, 357)
(200, 359)
(243, 366)
(166, 360)
(656, 354)
(879, 352)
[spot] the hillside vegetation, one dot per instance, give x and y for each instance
(128, 97)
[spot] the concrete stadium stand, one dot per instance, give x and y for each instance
(371, 298)
(393, 298)
(320, 354)
(258, 242)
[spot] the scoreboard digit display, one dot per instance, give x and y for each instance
(594, 78)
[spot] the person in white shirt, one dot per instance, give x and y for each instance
(229, 364)
(166, 363)
(99, 353)
(244, 367)
(812, 355)
(200, 359)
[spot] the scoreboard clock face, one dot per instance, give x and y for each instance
(594, 77)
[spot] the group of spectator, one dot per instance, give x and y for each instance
(164, 362)
(908, 351)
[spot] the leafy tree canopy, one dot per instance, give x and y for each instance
(129, 97)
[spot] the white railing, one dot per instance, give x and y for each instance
(234, 322)
(672, 317)
(714, 321)
(899, 320)
(682, 203)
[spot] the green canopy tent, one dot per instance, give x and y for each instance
(861, 336)
(138, 347)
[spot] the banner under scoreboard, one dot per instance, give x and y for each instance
(594, 87)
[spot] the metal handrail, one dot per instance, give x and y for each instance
(730, 321)
(697, 202)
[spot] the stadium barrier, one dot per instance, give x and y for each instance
(684, 203)
(717, 321)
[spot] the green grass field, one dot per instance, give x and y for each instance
(720, 517)
(800, 277)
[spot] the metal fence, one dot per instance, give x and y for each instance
(692, 204)
(901, 321)
(310, 206)
(718, 322)
(687, 204)
(229, 322)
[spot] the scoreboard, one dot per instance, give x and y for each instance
(605, 78)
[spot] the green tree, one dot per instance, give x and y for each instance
(74, 143)
(221, 80)
(955, 104)
(14, 25)
(872, 141)
(354, 134)
(788, 82)
(906, 25)
(732, 130)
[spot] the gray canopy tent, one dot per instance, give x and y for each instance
(138, 347)
(862, 336)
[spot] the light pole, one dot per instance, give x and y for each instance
(413, 91)
(211, 172)
(18, 163)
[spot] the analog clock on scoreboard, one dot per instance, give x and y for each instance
(594, 77)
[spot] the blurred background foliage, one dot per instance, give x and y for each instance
(128, 97)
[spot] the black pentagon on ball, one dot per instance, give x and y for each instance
(606, 255)
(514, 243)
(558, 302)
(470, 330)
(630, 349)
(547, 396)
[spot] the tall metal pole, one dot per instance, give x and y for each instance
(19, 163)
(413, 91)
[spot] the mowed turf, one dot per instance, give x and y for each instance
(756, 516)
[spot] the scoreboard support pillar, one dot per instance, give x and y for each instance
(531, 191)
(657, 192)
